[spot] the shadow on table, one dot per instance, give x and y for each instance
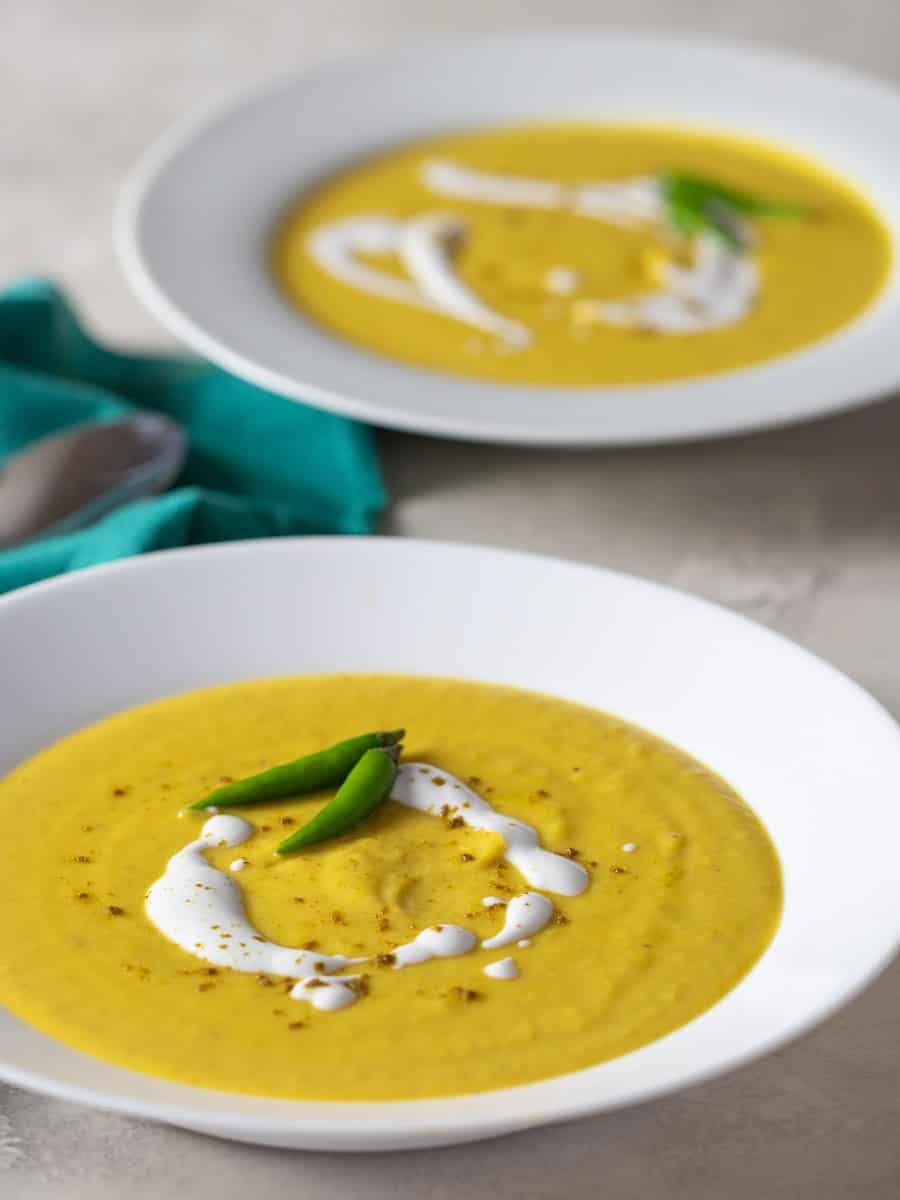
(848, 462)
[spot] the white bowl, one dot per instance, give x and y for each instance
(816, 757)
(196, 216)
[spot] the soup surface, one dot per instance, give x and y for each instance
(660, 889)
(579, 255)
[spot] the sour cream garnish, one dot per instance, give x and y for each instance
(201, 909)
(504, 968)
(717, 289)
(415, 788)
(425, 245)
(440, 941)
(561, 281)
(525, 915)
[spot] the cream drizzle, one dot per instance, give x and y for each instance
(415, 787)
(201, 909)
(717, 289)
(525, 916)
(438, 941)
(503, 968)
(448, 178)
(426, 246)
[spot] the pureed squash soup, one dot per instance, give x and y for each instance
(583, 255)
(548, 887)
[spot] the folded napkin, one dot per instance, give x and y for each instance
(258, 465)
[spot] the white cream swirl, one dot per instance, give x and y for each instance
(717, 289)
(426, 246)
(421, 786)
(525, 916)
(201, 909)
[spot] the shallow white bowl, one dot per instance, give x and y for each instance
(816, 757)
(195, 219)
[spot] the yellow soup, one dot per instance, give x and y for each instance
(579, 255)
(683, 892)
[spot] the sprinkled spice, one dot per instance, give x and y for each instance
(226, 779)
(312, 944)
(315, 983)
(618, 870)
(204, 987)
(264, 981)
(141, 971)
(80, 858)
(338, 918)
(473, 781)
(543, 793)
(87, 829)
(120, 791)
(465, 994)
(298, 899)
(571, 852)
(455, 822)
(115, 911)
(264, 828)
(82, 895)
(296, 1024)
(467, 858)
(560, 918)
(287, 820)
(438, 780)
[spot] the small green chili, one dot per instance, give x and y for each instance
(325, 768)
(367, 785)
(694, 203)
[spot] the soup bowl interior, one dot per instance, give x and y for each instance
(806, 748)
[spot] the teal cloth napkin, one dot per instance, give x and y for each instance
(258, 464)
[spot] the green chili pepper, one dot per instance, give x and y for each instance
(326, 768)
(701, 191)
(367, 785)
(694, 203)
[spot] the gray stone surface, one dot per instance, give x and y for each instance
(798, 529)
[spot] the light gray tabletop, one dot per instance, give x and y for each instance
(798, 529)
